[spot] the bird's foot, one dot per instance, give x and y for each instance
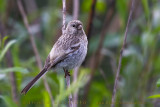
(67, 73)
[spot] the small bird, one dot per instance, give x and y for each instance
(68, 52)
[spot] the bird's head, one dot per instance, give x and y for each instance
(74, 27)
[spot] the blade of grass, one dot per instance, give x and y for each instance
(8, 101)
(9, 44)
(13, 69)
(75, 86)
(155, 96)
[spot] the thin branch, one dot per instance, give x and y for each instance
(63, 30)
(90, 21)
(95, 59)
(75, 9)
(121, 53)
(64, 16)
(9, 60)
(75, 17)
(75, 96)
(70, 96)
(12, 78)
(38, 60)
(25, 20)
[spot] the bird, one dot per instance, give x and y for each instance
(68, 52)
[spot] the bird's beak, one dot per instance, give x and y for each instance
(79, 27)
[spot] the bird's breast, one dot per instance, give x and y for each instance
(74, 59)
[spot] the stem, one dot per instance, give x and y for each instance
(64, 16)
(121, 53)
(90, 19)
(38, 60)
(12, 78)
(75, 9)
(75, 96)
(63, 30)
(70, 96)
(75, 75)
(96, 57)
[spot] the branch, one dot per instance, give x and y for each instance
(90, 21)
(121, 53)
(70, 96)
(12, 78)
(63, 30)
(38, 60)
(75, 9)
(75, 96)
(64, 16)
(75, 17)
(9, 60)
(25, 20)
(95, 59)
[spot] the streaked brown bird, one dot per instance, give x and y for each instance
(67, 53)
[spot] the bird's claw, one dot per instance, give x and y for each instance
(67, 73)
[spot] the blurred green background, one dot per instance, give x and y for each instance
(138, 84)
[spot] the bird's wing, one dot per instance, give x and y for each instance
(60, 51)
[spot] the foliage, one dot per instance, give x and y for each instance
(139, 74)
(9, 44)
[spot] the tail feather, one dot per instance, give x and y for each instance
(30, 84)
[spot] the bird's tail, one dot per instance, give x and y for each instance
(30, 84)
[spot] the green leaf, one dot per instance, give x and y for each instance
(8, 101)
(122, 9)
(46, 99)
(158, 83)
(13, 69)
(155, 96)
(146, 8)
(9, 44)
(3, 41)
(75, 86)
(3, 5)
(101, 6)
(86, 5)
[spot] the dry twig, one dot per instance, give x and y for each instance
(95, 59)
(90, 21)
(38, 60)
(12, 78)
(9, 60)
(75, 17)
(121, 53)
(75, 96)
(63, 30)
(75, 9)
(64, 16)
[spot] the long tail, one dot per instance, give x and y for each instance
(30, 84)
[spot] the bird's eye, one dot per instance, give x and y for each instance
(73, 25)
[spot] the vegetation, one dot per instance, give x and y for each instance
(138, 84)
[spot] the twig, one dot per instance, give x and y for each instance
(95, 59)
(38, 60)
(70, 96)
(75, 17)
(90, 21)
(75, 9)
(64, 16)
(12, 78)
(121, 53)
(63, 30)
(75, 96)
(9, 60)
(25, 20)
